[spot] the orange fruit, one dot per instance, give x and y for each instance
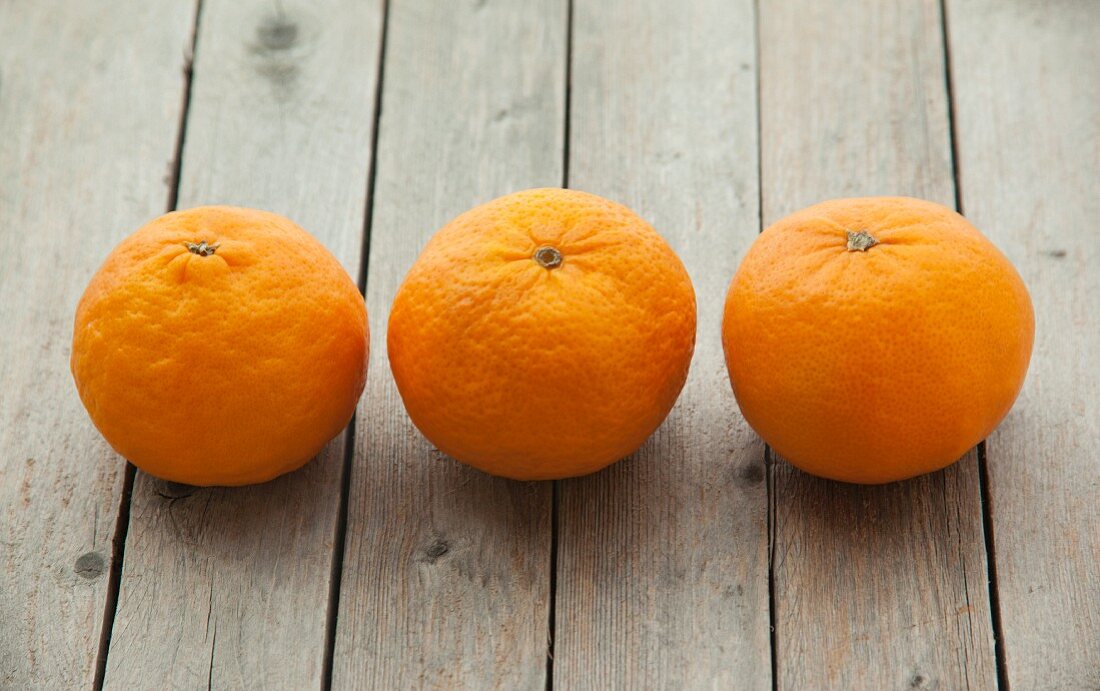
(872, 340)
(545, 334)
(220, 346)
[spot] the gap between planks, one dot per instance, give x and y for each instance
(340, 541)
(118, 548)
(555, 492)
(983, 468)
(278, 85)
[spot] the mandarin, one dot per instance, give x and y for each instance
(871, 340)
(545, 334)
(220, 346)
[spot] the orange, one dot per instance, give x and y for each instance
(871, 340)
(545, 334)
(220, 346)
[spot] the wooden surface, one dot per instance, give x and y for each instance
(1027, 109)
(895, 573)
(233, 585)
(699, 562)
(89, 110)
(662, 575)
(446, 579)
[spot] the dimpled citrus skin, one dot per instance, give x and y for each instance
(531, 372)
(226, 369)
(878, 365)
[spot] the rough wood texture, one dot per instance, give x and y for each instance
(1027, 105)
(662, 561)
(447, 570)
(88, 133)
(875, 587)
(662, 558)
(230, 587)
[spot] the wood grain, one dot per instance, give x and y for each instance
(875, 587)
(662, 558)
(89, 109)
(447, 570)
(230, 587)
(1027, 105)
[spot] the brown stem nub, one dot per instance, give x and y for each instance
(201, 248)
(861, 241)
(548, 257)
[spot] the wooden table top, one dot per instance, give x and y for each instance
(701, 562)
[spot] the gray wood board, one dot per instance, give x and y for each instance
(230, 586)
(89, 111)
(447, 571)
(875, 587)
(662, 558)
(1027, 108)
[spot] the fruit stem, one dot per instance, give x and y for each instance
(548, 257)
(201, 248)
(861, 241)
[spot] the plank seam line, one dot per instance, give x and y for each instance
(769, 474)
(118, 548)
(188, 77)
(213, 652)
(769, 465)
(122, 524)
(567, 125)
(991, 569)
(339, 544)
(551, 621)
(983, 467)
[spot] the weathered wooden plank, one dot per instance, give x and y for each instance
(662, 559)
(875, 587)
(446, 570)
(90, 99)
(230, 587)
(1027, 105)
